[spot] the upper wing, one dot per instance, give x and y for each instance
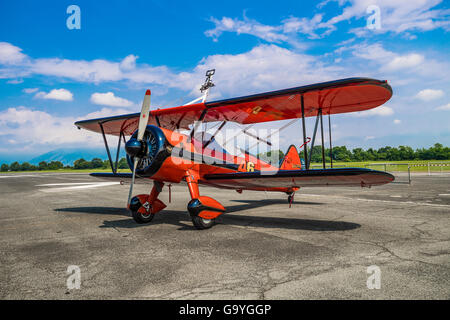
(340, 96)
(299, 178)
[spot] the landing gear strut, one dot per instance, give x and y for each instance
(141, 212)
(291, 198)
(203, 210)
(143, 207)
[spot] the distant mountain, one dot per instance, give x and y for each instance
(68, 155)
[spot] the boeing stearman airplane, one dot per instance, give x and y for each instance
(157, 150)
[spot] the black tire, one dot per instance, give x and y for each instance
(141, 218)
(290, 198)
(201, 223)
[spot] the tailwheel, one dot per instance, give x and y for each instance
(141, 213)
(202, 223)
(290, 198)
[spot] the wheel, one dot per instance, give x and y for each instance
(140, 213)
(201, 223)
(290, 198)
(142, 217)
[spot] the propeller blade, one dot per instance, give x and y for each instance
(132, 180)
(143, 120)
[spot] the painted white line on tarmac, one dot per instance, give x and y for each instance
(17, 176)
(384, 201)
(65, 184)
(40, 175)
(75, 186)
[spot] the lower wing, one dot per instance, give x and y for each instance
(269, 180)
(299, 178)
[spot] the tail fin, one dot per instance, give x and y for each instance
(291, 160)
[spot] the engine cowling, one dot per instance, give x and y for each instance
(151, 151)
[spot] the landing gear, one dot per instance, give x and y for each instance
(202, 223)
(290, 198)
(141, 213)
(142, 218)
(203, 210)
(143, 207)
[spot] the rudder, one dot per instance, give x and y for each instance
(291, 160)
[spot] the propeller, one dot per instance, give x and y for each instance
(134, 147)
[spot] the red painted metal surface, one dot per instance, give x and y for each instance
(341, 96)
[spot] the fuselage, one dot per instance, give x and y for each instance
(180, 153)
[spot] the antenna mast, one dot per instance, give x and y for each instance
(208, 84)
(205, 87)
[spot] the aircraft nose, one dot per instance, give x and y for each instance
(133, 147)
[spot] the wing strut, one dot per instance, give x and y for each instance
(305, 149)
(331, 147)
(246, 128)
(115, 165)
(197, 124)
(106, 146)
(321, 134)
(314, 138)
(257, 138)
(272, 133)
(215, 133)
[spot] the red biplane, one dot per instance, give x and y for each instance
(158, 150)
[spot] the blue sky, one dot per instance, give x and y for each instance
(51, 76)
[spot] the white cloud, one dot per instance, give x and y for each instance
(399, 16)
(81, 70)
(109, 99)
(35, 129)
(129, 62)
(396, 15)
(404, 68)
(390, 61)
(444, 107)
(397, 121)
(303, 25)
(56, 94)
(15, 81)
(246, 26)
(372, 52)
(10, 54)
(379, 111)
(404, 62)
(430, 94)
(106, 112)
(38, 130)
(264, 67)
(30, 90)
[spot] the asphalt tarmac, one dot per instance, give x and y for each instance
(333, 243)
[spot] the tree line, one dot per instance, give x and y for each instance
(401, 153)
(340, 153)
(95, 163)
